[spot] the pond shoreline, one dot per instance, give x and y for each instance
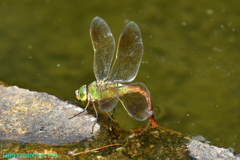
(36, 117)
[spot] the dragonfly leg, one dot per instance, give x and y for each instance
(113, 112)
(108, 117)
(96, 116)
(82, 111)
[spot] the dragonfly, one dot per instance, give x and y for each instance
(109, 87)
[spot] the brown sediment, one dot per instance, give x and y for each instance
(4, 84)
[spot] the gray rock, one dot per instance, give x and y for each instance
(30, 116)
(201, 150)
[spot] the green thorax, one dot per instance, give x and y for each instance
(102, 90)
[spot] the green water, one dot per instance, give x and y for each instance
(190, 63)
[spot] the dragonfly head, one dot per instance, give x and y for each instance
(81, 94)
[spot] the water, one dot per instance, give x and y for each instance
(190, 63)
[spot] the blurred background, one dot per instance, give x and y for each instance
(190, 63)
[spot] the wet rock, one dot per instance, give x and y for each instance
(156, 143)
(30, 116)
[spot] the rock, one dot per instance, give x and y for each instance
(201, 150)
(30, 116)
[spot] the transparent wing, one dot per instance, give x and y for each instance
(108, 104)
(133, 98)
(128, 56)
(135, 103)
(103, 46)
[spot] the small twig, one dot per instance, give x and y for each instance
(92, 150)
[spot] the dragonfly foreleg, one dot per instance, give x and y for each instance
(81, 111)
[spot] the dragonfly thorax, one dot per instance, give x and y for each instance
(102, 90)
(81, 94)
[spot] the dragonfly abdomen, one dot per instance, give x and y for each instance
(132, 89)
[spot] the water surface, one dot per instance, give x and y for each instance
(190, 63)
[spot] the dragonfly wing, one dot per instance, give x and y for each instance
(103, 46)
(108, 104)
(135, 103)
(128, 56)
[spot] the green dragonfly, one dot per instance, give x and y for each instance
(108, 89)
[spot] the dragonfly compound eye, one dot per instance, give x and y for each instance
(82, 93)
(77, 94)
